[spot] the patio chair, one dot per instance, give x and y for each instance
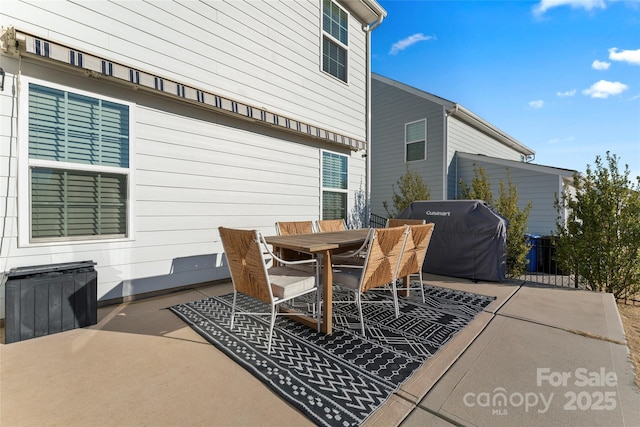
(287, 228)
(414, 253)
(397, 222)
(331, 225)
(275, 285)
(380, 269)
(353, 257)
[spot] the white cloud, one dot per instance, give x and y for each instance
(405, 43)
(544, 5)
(630, 56)
(566, 93)
(536, 104)
(600, 65)
(604, 89)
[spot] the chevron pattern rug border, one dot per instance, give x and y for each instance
(338, 379)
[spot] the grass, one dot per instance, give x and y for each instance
(630, 315)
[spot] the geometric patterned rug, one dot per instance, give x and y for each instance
(342, 378)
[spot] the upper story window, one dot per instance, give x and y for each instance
(335, 35)
(78, 165)
(415, 140)
(334, 185)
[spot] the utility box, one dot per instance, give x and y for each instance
(46, 299)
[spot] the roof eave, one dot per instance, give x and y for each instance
(468, 117)
(366, 11)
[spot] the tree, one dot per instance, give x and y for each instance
(517, 245)
(480, 187)
(412, 187)
(599, 239)
(507, 206)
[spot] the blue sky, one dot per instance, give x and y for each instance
(560, 76)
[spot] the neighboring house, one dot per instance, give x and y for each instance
(536, 183)
(433, 138)
(132, 130)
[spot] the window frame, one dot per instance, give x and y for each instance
(26, 164)
(324, 189)
(331, 39)
(407, 143)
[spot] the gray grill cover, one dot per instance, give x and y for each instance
(469, 239)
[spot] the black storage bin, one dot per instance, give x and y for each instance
(46, 299)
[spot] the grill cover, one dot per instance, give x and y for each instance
(469, 239)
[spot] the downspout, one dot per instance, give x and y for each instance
(445, 125)
(368, 29)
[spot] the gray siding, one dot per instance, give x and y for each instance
(391, 109)
(534, 183)
(467, 139)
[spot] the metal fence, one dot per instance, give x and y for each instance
(377, 221)
(543, 267)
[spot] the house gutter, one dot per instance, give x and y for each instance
(368, 29)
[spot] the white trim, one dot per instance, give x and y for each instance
(417, 140)
(334, 40)
(331, 189)
(24, 165)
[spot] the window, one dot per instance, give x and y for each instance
(415, 140)
(78, 165)
(334, 186)
(335, 34)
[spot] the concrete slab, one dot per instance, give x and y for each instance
(588, 312)
(140, 365)
(421, 418)
(523, 373)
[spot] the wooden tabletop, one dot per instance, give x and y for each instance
(318, 242)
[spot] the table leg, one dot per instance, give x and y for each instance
(327, 293)
(404, 290)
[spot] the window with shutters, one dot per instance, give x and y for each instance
(335, 40)
(415, 140)
(78, 165)
(334, 185)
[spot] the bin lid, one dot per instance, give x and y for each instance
(48, 268)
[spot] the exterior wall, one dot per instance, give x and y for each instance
(194, 169)
(467, 139)
(534, 183)
(264, 53)
(391, 109)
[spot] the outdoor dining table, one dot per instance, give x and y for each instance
(323, 245)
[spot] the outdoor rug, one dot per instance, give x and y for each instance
(338, 379)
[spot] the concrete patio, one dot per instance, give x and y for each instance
(536, 356)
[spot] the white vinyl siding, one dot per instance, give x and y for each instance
(264, 53)
(415, 140)
(191, 169)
